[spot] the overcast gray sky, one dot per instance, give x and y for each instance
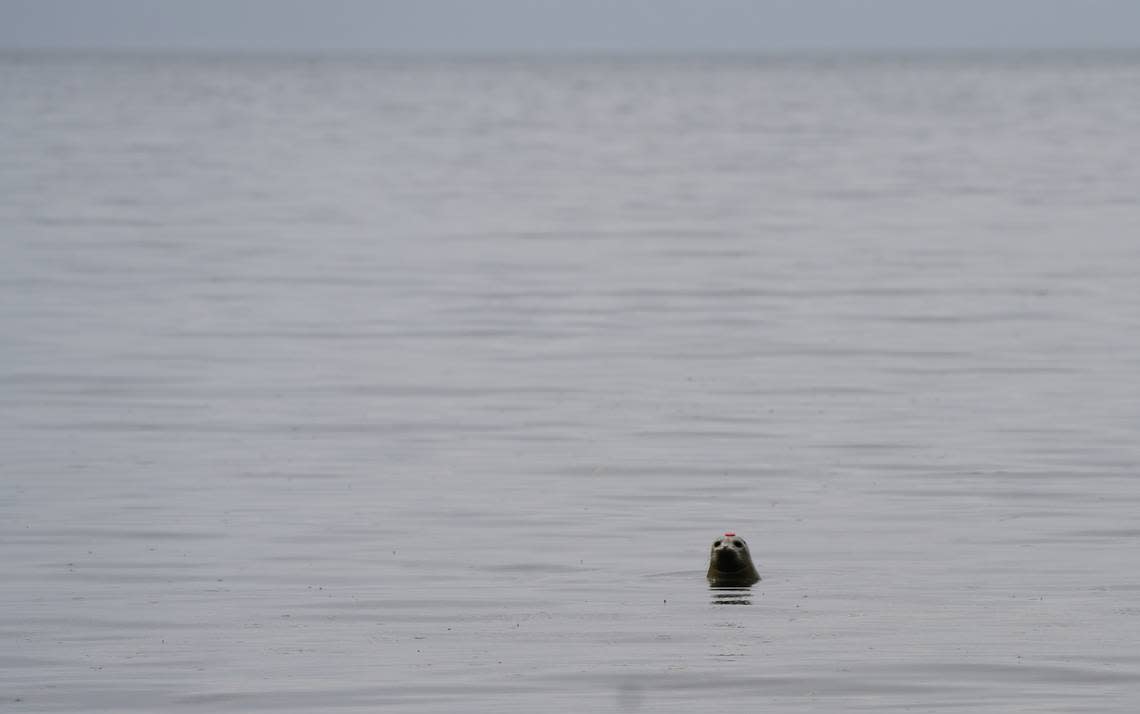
(570, 25)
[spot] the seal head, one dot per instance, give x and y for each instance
(730, 563)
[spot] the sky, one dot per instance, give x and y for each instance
(510, 26)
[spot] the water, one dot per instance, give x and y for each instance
(424, 385)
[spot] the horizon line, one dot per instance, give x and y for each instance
(573, 53)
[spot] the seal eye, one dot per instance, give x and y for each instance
(738, 543)
(718, 542)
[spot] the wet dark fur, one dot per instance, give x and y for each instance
(730, 563)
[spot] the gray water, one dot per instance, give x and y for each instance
(424, 385)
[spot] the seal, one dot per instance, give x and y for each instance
(730, 563)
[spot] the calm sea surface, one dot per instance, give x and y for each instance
(365, 385)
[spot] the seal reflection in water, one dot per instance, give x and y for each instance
(730, 563)
(723, 595)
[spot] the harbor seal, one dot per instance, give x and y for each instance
(730, 563)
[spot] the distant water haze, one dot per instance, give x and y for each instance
(424, 385)
(542, 26)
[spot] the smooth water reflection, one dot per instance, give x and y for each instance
(418, 385)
